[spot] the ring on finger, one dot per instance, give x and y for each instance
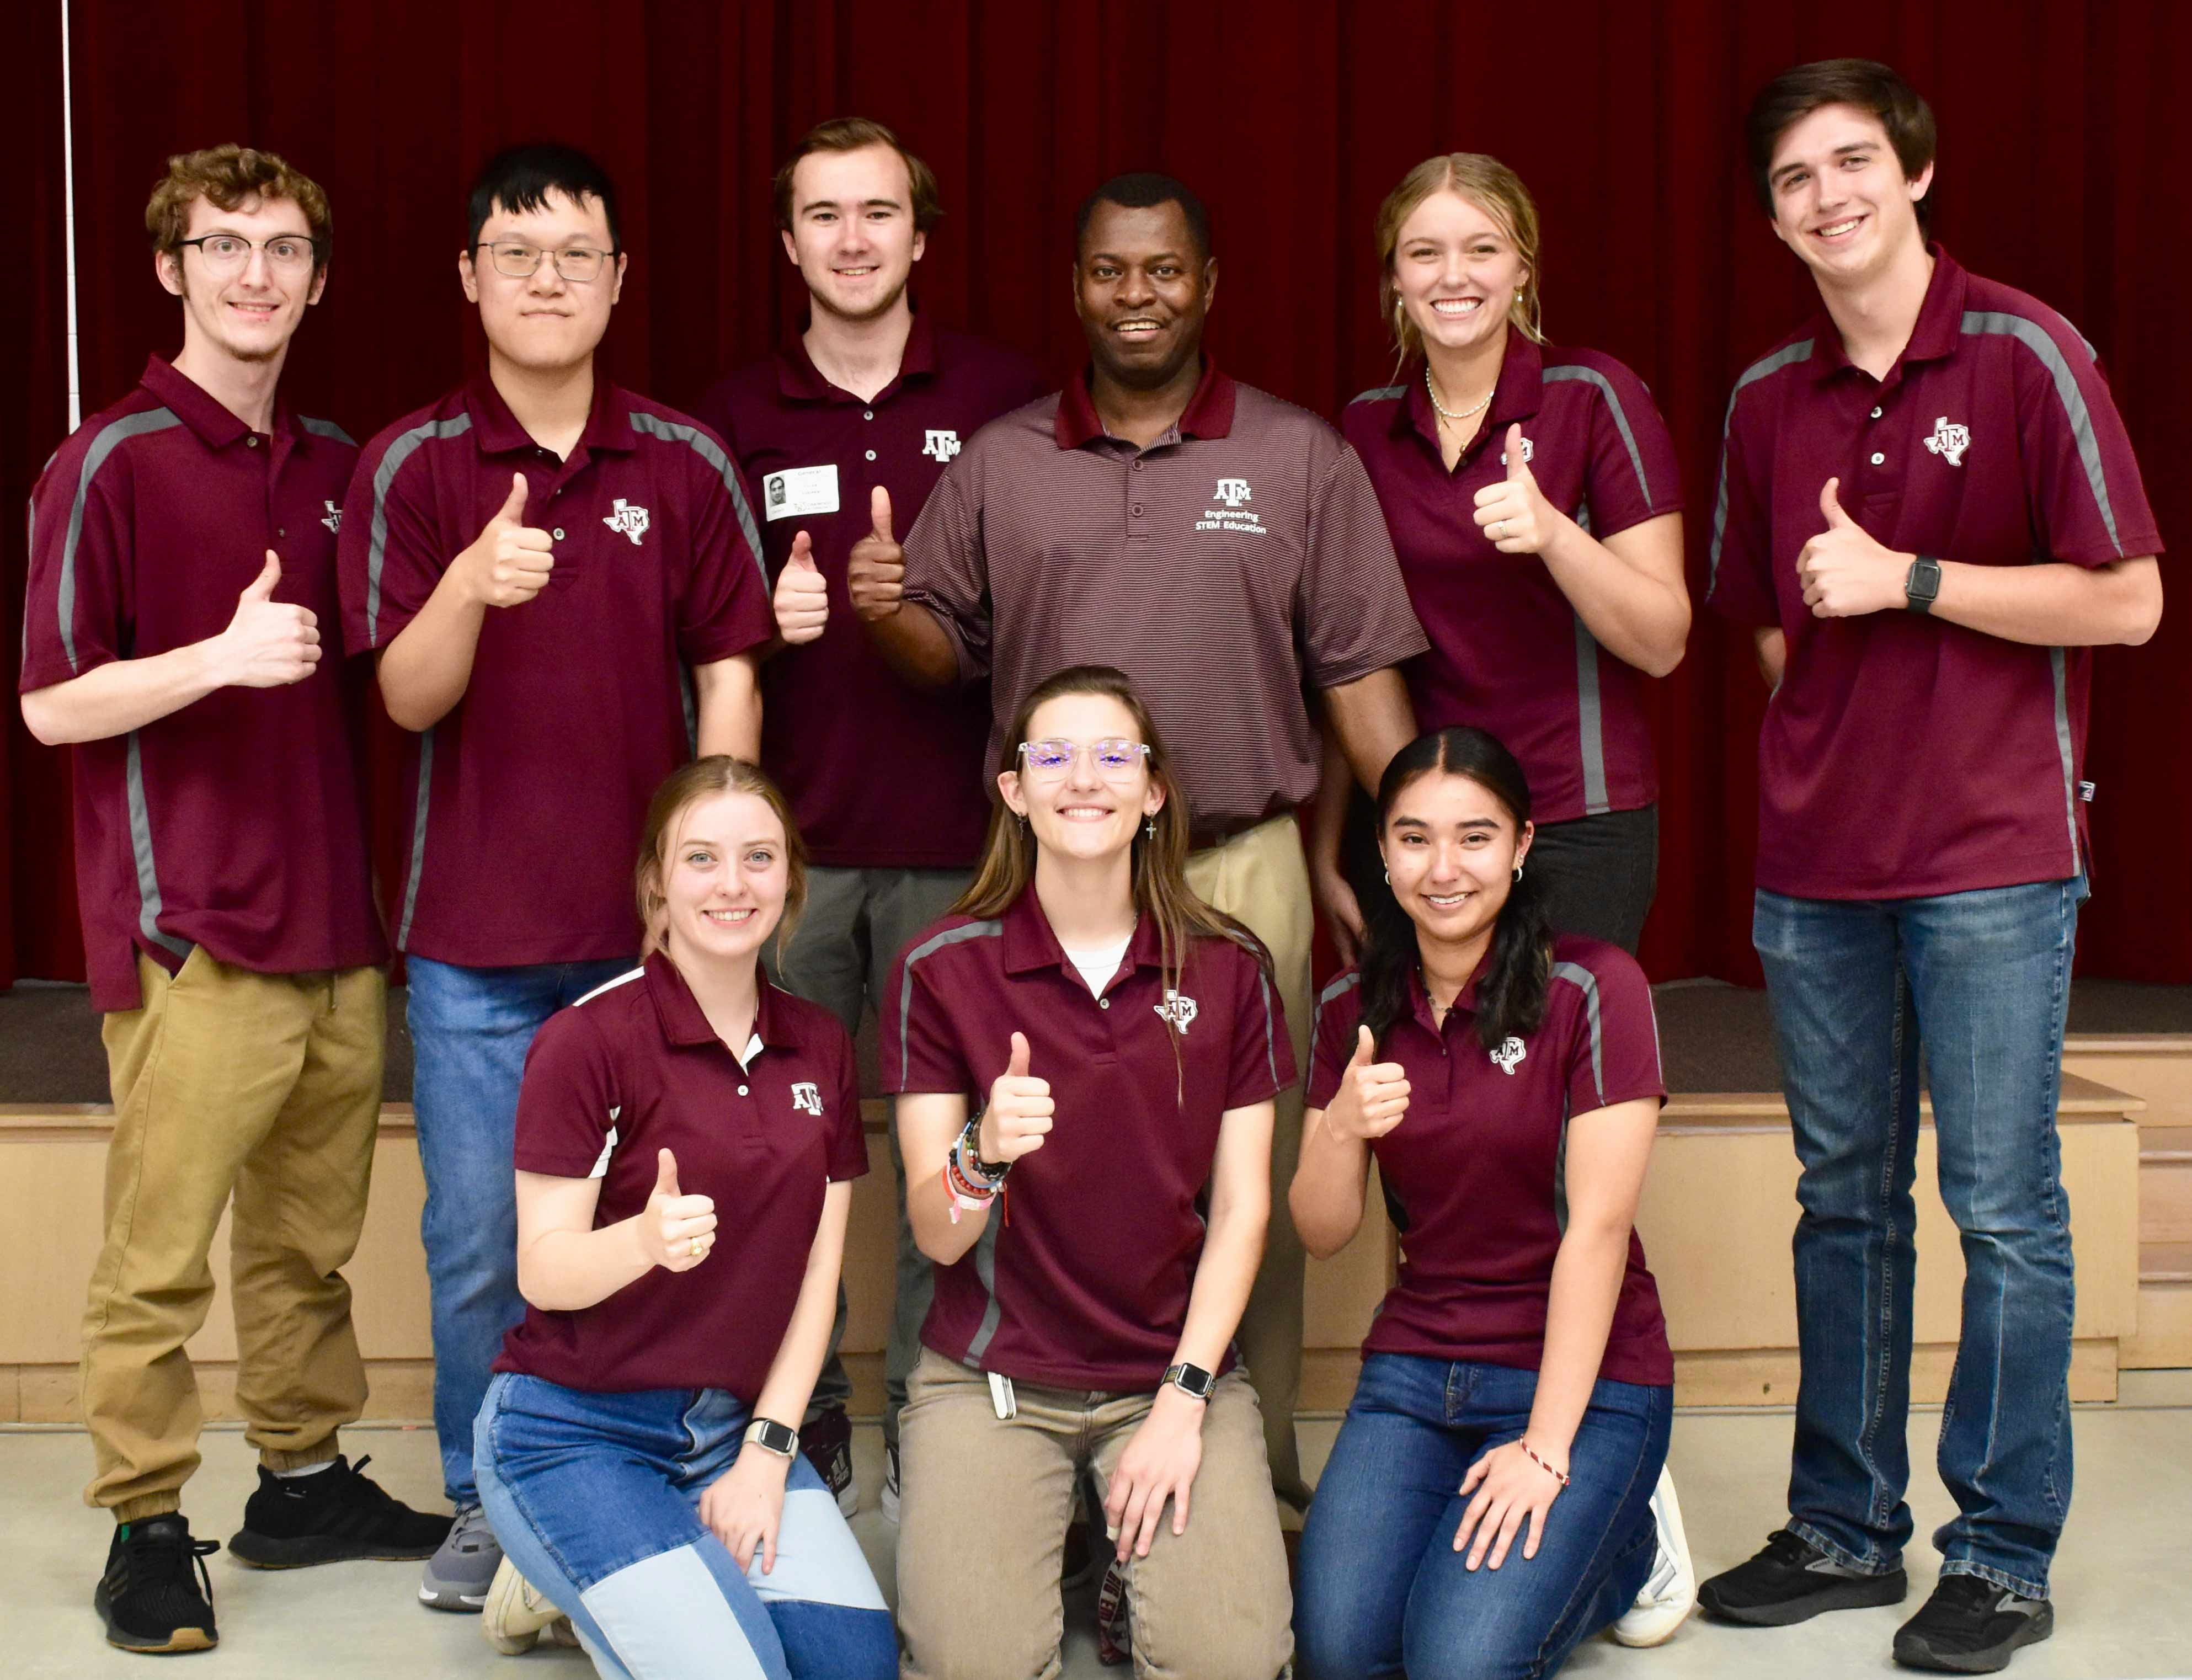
(692, 1247)
(1498, 529)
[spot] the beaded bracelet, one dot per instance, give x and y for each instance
(1558, 1476)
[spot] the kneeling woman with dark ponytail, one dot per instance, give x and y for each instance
(1498, 1491)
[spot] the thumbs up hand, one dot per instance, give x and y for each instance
(268, 644)
(674, 1231)
(1372, 1096)
(1844, 572)
(1019, 1116)
(1514, 511)
(875, 574)
(509, 563)
(803, 598)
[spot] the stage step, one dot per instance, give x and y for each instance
(2164, 1183)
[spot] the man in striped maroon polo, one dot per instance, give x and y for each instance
(1223, 548)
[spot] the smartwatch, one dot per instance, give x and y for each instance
(1192, 1381)
(772, 1436)
(1923, 584)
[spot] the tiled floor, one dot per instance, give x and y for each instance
(2123, 1582)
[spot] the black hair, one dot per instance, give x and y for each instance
(1511, 999)
(1144, 189)
(521, 178)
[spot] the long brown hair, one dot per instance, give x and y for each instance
(1160, 861)
(719, 773)
(1494, 189)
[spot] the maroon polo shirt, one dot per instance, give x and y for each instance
(238, 822)
(1508, 651)
(1474, 1173)
(1237, 558)
(526, 801)
(1086, 1285)
(1903, 756)
(856, 751)
(634, 1068)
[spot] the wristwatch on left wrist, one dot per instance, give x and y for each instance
(772, 1436)
(1192, 1381)
(1922, 587)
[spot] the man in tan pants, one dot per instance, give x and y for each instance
(182, 564)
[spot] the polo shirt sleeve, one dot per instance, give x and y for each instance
(724, 608)
(947, 570)
(1263, 1054)
(1353, 608)
(567, 1102)
(1614, 1056)
(78, 598)
(391, 552)
(1332, 1044)
(920, 1049)
(2089, 505)
(848, 1143)
(1633, 475)
(1740, 574)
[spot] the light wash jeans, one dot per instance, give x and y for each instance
(1978, 983)
(470, 1031)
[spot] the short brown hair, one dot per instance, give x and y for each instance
(852, 134)
(719, 773)
(1494, 189)
(1871, 86)
(225, 176)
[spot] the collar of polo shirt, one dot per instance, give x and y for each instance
(1933, 336)
(608, 422)
(198, 409)
(1520, 389)
(800, 380)
(1030, 943)
(1208, 413)
(684, 1022)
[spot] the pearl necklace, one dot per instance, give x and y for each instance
(1446, 413)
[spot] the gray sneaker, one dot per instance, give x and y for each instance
(458, 1574)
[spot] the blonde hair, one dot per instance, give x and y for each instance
(1494, 189)
(720, 772)
(225, 176)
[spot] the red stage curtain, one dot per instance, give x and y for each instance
(2062, 171)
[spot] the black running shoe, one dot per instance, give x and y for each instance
(826, 1439)
(1792, 1581)
(156, 1594)
(1972, 1626)
(329, 1516)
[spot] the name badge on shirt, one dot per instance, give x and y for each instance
(799, 491)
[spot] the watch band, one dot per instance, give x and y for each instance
(1922, 587)
(772, 1436)
(1192, 1381)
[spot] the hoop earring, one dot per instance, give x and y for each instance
(1387, 874)
(1518, 872)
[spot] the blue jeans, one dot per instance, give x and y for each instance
(470, 1031)
(1981, 979)
(595, 1499)
(1381, 1587)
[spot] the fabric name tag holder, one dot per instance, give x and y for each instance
(1002, 1396)
(799, 491)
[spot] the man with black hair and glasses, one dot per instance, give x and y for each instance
(1223, 548)
(537, 562)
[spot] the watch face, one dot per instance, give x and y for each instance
(1194, 1380)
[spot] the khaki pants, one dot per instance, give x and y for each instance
(267, 1087)
(982, 1534)
(1260, 878)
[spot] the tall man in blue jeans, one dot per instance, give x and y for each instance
(532, 559)
(1928, 511)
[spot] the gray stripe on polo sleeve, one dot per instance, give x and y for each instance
(927, 947)
(712, 453)
(109, 437)
(1383, 393)
(326, 428)
(1582, 977)
(1346, 983)
(1756, 371)
(376, 554)
(149, 903)
(2058, 666)
(418, 836)
(1592, 376)
(2035, 338)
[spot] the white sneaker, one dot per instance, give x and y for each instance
(890, 1484)
(1670, 1593)
(517, 1617)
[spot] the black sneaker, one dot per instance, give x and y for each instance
(1972, 1626)
(826, 1439)
(329, 1516)
(156, 1594)
(1792, 1581)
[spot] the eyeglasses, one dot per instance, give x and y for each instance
(227, 253)
(1115, 759)
(575, 263)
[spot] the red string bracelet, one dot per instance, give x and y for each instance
(1558, 1476)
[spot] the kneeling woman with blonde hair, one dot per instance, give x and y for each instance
(686, 1135)
(1086, 1055)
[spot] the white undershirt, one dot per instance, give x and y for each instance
(1098, 963)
